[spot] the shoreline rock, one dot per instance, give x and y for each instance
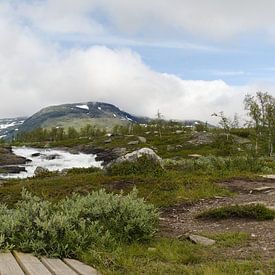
(8, 158)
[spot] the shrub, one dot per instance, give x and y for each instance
(77, 171)
(142, 166)
(213, 163)
(75, 224)
(253, 211)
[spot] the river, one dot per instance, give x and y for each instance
(51, 159)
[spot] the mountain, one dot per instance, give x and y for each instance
(8, 126)
(77, 115)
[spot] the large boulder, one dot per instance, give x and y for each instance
(135, 155)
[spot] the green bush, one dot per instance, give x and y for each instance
(253, 211)
(77, 171)
(143, 166)
(213, 163)
(75, 224)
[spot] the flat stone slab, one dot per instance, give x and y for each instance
(263, 189)
(201, 240)
(268, 176)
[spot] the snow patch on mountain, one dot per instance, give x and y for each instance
(85, 107)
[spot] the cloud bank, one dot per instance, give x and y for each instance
(36, 71)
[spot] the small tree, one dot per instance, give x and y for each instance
(160, 117)
(261, 110)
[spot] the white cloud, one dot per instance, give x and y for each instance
(218, 19)
(35, 73)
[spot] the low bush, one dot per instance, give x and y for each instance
(213, 163)
(77, 171)
(143, 166)
(253, 211)
(75, 224)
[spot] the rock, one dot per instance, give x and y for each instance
(12, 169)
(263, 189)
(152, 249)
(7, 157)
(259, 272)
(108, 140)
(201, 240)
(196, 156)
(135, 142)
(52, 157)
(268, 176)
(134, 156)
(201, 138)
(106, 155)
(142, 139)
(179, 132)
(170, 148)
(40, 171)
(35, 154)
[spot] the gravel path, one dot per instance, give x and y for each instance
(181, 219)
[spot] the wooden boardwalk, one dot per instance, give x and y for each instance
(17, 263)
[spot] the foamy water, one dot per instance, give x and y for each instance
(63, 160)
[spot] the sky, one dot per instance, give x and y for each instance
(186, 58)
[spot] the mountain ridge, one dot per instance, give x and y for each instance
(77, 115)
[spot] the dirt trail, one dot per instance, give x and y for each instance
(181, 219)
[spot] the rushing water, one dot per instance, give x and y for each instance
(51, 159)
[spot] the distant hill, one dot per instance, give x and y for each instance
(8, 126)
(77, 115)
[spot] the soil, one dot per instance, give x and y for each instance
(181, 219)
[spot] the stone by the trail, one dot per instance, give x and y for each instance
(135, 142)
(268, 176)
(196, 156)
(201, 240)
(262, 189)
(142, 139)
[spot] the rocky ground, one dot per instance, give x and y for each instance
(180, 220)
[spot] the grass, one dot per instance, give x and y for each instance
(170, 256)
(229, 239)
(184, 182)
(170, 188)
(257, 212)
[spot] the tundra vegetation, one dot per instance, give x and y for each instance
(109, 218)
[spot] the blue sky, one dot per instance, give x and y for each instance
(187, 58)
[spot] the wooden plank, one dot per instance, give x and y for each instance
(81, 268)
(57, 267)
(8, 265)
(30, 264)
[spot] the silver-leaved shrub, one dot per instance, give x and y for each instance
(75, 224)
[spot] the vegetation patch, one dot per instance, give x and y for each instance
(76, 224)
(258, 212)
(229, 239)
(142, 166)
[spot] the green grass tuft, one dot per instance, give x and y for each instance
(258, 212)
